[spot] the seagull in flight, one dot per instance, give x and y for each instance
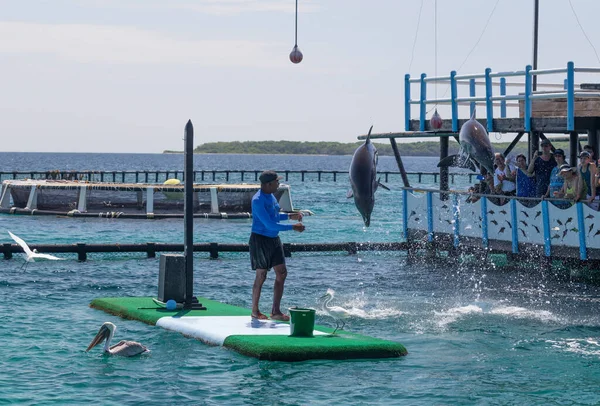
(30, 255)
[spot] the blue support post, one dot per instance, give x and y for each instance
(581, 224)
(546, 221)
(405, 214)
(453, 96)
(407, 102)
(429, 216)
(515, 228)
(484, 222)
(489, 104)
(423, 106)
(527, 102)
(456, 213)
(472, 93)
(503, 101)
(570, 96)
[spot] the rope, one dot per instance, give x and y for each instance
(480, 36)
(412, 55)
(435, 43)
(296, 39)
(583, 31)
(473, 48)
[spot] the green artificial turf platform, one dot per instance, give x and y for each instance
(232, 327)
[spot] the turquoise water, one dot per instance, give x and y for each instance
(476, 333)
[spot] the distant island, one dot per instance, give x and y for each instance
(425, 148)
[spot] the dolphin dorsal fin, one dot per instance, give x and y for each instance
(369, 136)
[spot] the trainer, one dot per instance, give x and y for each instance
(266, 250)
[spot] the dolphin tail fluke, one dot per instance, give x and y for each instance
(457, 161)
(450, 160)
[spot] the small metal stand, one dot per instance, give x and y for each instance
(195, 305)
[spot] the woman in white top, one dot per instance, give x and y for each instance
(504, 178)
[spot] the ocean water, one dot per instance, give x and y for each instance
(476, 332)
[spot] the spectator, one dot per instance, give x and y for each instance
(482, 188)
(556, 181)
(590, 148)
(573, 188)
(587, 173)
(525, 181)
(504, 180)
(541, 165)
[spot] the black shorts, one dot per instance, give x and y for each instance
(265, 252)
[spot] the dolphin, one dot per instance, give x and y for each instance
(474, 146)
(363, 182)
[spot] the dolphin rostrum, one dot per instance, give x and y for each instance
(474, 146)
(363, 174)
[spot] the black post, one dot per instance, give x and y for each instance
(511, 146)
(592, 133)
(574, 147)
(188, 217)
(534, 142)
(188, 227)
(399, 163)
(444, 145)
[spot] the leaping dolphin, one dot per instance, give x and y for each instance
(474, 146)
(363, 174)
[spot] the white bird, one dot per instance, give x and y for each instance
(29, 254)
(124, 348)
(338, 313)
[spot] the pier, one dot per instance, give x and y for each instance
(213, 249)
(240, 175)
(415, 250)
(535, 230)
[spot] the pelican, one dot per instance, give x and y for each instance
(338, 313)
(29, 254)
(123, 348)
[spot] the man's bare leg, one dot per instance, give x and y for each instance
(261, 276)
(280, 275)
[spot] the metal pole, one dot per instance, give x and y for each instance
(188, 213)
(536, 16)
(399, 162)
(574, 147)
(188, 218)
(444, 143)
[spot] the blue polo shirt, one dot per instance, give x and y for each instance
(266, 215)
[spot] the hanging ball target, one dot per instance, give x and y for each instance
(436, 121)
(296, 56)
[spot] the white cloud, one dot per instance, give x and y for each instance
(86, 43)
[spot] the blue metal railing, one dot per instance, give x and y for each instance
(527, 95)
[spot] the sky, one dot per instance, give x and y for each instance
(126, 75)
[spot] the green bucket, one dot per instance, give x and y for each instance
(302, 322)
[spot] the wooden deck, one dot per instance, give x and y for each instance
(550, 125)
